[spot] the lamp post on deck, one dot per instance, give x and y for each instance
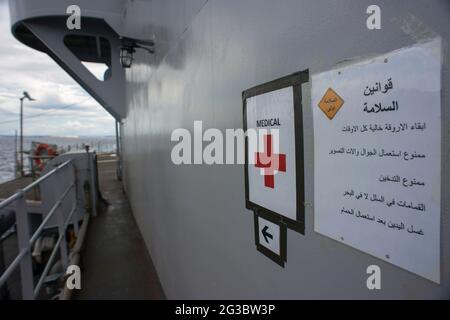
(25, 96)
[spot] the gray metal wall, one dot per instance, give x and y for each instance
(193, 218)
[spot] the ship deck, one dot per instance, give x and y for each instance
(115, 263)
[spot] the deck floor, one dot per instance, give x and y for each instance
(8, 188)
(115, 262)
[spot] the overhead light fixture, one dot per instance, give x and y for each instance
(129, 47)
(126, 56)
(27, 96)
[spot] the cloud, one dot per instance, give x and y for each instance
(25, 69)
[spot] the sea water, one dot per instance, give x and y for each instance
(7, 149)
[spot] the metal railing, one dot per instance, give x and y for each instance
(62, 181)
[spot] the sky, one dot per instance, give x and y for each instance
(62, 107)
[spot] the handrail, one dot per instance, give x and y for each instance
(53, 254)
(35, 236)
(23, 258)
(17, 195)
(50, 214)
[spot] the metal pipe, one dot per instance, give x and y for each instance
(91, 157)
(48, 265)
(16, 169)
(21, 137)
(53, 254)
(118, 153)
(75, 255)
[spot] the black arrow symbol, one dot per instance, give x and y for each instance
(266, 234)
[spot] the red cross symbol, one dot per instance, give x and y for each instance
(270, 162)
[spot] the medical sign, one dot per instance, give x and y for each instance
(274, 153)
